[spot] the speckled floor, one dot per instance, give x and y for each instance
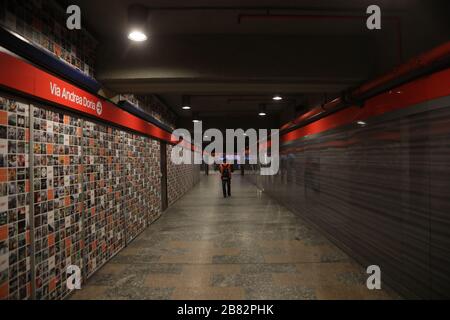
(244, 247)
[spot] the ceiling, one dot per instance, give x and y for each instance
(230, 57)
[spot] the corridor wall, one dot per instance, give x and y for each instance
(56, 175)
(73, 191)
(15, 237)
(380, 188)
(180, 178)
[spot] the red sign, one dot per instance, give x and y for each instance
(21, 76)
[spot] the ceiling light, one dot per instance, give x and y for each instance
(137, 22)
(361, 123)
(137, 36)
(277, 97)
(262, 110)
(186, 102)
(195, 117)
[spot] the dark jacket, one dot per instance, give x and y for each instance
(222, 168)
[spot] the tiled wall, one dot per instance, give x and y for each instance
(142, 184)
(57, 187)
(15, 242)
(382, 191)
(150, 105)
(92, 188)
(180, 178)
(43, 22)
(102, 187)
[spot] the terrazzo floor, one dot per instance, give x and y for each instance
(244, 247)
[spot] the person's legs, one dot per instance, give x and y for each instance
(229, 187)
(224, 188)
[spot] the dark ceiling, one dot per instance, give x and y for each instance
(230, 56)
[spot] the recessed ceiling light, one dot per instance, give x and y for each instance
(137, 36)
(195, 117)
(277, 98)
(137, 22)
(262, 110)
(186, 102)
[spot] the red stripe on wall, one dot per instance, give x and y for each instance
(21, 76)
(424, 89)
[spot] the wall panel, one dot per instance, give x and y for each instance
(136, 212)
(72, 192)
(180, 178)
(103, 218)
(381, 191)
(15, 245)
(152, 171)
(58, 206)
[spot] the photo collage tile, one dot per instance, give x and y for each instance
(180, 178)
(142, 175)
(153, 178)
(103, 188)
(58, 206)
(94, 189)
(42, 22)
(15, 241)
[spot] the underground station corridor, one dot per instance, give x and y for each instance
(245, 247)
(214, 159)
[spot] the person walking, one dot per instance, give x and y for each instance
(206, 160)
(225, 175)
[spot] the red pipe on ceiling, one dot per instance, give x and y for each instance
(297, 16)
